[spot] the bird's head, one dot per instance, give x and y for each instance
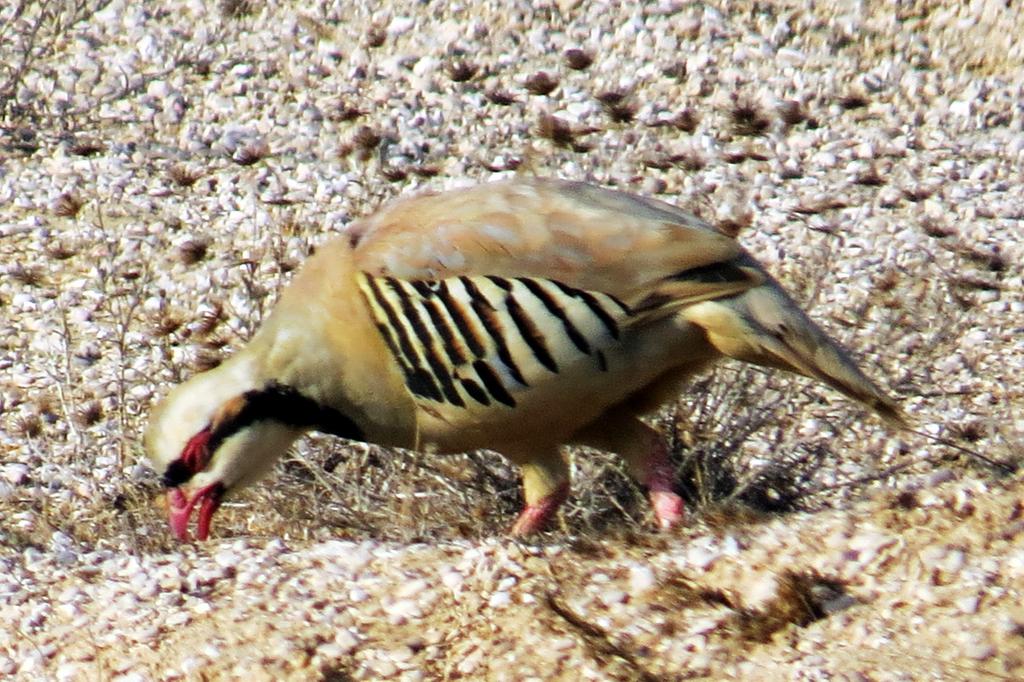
(224, 429)
(217, 433)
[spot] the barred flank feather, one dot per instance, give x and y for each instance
(481, 340)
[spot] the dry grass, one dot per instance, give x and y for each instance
(30, 32)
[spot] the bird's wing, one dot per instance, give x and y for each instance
(645, 253)
(518, 297)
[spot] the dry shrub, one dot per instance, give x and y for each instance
(361, 490)
(30, 32)
(800, 599)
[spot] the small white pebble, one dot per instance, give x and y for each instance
(346, 640)
(506, 583)
(641, 579)
(330, 651)
(66, 672)
(979, 650)
(968, 605)
(452, 579)
(411, 588)
(563, 643)
(177, 619)
(701, 557)
(226, 558)
(790, 57)
(384, 668)
(400, 25)
(612, 597)
(499, 600)
(402, 611)
(760, 590)
(191, 664)
(469, 664)
(15, 473)
(131, 676)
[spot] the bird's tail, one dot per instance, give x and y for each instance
(764, 326)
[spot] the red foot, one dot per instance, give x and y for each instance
(668, 507)
(536, 516)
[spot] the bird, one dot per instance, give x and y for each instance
(519, 316)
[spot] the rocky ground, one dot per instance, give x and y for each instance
(165, 167)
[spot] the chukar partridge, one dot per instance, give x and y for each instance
(517, 316)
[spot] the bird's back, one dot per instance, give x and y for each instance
(524, 309)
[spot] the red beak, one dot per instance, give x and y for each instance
(180, 506)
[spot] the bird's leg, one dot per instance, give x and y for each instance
(646, 455)
(657, 475)
(546, 486)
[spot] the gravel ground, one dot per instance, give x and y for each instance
(164, 168)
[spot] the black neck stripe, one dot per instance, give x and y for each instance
(278, 403)
(285, 405)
